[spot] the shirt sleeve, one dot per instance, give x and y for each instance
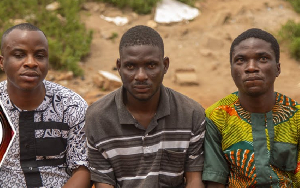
(296, 176)
(100, 167)
(215, 165)
(195, 155)
(77, 146)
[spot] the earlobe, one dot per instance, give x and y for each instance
(278, 69)
(166, 64)
(1, 62)
(118, 64)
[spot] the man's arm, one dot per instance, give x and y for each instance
(103, 185)
(194, 180)
(214, 185)
(80, 178)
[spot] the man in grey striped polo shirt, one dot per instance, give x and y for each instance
(145, 135)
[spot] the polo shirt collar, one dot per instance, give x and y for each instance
(126, 118)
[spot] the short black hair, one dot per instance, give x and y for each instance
(22, 26)
(260, 34)
(141, 35)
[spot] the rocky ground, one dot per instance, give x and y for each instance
(202, 45)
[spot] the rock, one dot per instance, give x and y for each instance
(62, 19)
(17, 21)
(221, 18)
(185, 76)
(206, 52)
(151, 23)
(93, 96)
(65, 76)
(107, 81)
(53, 6)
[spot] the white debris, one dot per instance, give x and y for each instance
(110, 76)
(168, 11)
(53, 6)
(118, 20)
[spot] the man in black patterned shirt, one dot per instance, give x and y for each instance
(49, 149)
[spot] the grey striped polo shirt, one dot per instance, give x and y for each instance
(125, 154)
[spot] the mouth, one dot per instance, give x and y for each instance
(141, 88)
(252, 78)
(29, 76)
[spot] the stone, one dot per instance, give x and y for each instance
(53, 6)
(107, 81)
(185, 76)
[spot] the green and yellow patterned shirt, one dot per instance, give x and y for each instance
(253, 149)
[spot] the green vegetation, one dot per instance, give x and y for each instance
(290, 33)
(295, 4)
(140, 6)
(69, 41)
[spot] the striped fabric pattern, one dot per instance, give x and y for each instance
(126, 155)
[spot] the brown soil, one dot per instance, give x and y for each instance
(202, 44)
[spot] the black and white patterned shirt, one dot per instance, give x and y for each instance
(49, 141)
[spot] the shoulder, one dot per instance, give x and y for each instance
(63, 93)
(286, 106)
(223, 105)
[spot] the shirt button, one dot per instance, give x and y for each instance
(27, 146)
(30, 168)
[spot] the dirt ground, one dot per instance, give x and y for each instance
(202, 44)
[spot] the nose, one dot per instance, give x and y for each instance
(30, 62)
(251, 66)
(141, 74)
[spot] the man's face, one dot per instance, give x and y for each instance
(25, 59)
(254, 68)
(142, 68)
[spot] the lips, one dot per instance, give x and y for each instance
(141, 88)
(253, 78)
(29, 75)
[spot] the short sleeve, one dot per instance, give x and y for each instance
(77, 144)
(100, 167)
(215, 165)
(195, 155)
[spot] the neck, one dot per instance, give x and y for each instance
(27, 100)
(257, 104)
(139, 106)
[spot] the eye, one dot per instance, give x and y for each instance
(19, 55)
(40, 56)
(263, 59)
(129, 66)
(151, 65)
(240, 60)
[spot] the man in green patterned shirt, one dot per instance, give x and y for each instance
(252, 135)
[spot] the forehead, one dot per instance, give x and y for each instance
(22, 38)
(141, 51)
(253, 44)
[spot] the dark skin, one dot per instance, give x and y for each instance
(142, 69)
(25, 61)
(254, 70)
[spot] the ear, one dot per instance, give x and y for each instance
(1, 62)
(118, 64)
(278, 69)
(166, 64)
